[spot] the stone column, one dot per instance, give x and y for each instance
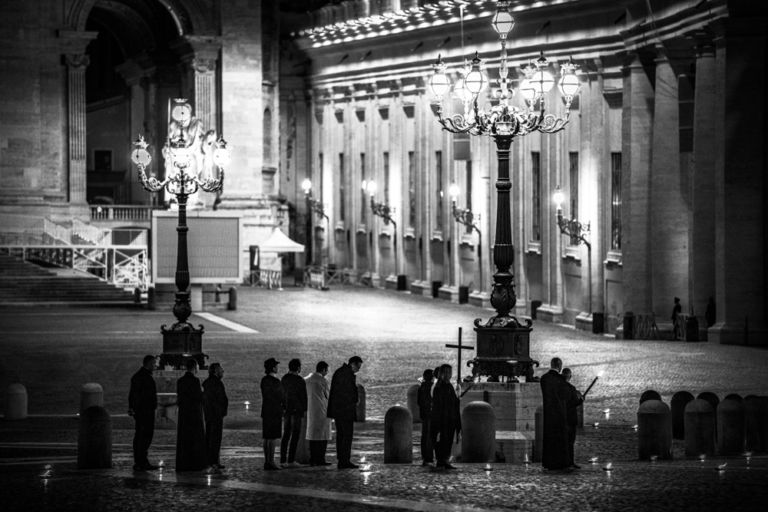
(637, 119)
(668, 234)
(741, 222)
(76, 177)
(702, 247)
(200, 54)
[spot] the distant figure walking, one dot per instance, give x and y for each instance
(272, 407)
(342, 407)
(424, 401)
(676, 310)
(710, 314)
(190, 434)
(555, 395)
(572, 403)
(445, 418)
(142, 402)
(215, 403)
(295, 390)
(318, 424)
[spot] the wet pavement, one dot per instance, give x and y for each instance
(53, 351)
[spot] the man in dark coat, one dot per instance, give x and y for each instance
(272, 407)
(445, 418)
(424, 400)
(342, 408)
(572, 402)
(215, 403)
(555, 393)
(190, 436)
(295, 406)
(142, 402)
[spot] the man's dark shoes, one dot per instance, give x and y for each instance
(348, 465)
(426, 463)
(448, 465)
(271, 466)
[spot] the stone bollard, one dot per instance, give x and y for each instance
(398, 432)
(94, 441)
(360, 412)
(679, 401)
(302, 448)
(650, 394)
(763, 422)
(232, 302)
(413, 402)
(730, 427)
(752, 424)
(91, 394)
(478, 433)
(654, 430)
(699, 428)
(711, 398)
(151, 300)
(15, 402)
(538, 444)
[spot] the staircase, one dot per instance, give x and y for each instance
(26, 283)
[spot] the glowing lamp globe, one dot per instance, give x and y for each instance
(542, 81)
(439, 83)
(461, 92)
(221, 155)
(141, 157)
(306, 185)
(502, 21)
(475, 80)
(558, 197)
(453, 191)
(569, 83)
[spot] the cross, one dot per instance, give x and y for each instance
(460, 347)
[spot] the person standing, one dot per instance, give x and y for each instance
(215, 403)
(424, 401)
(295, 406)
(272, 407)
(190, 434)
(318, 424)
(555, 442)
(445, 418)
(573, 400)
(342, 407)
(142, 402)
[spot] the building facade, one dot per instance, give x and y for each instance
(664, 158)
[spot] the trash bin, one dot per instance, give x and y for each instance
(436, 288)
(463, 294)
(598, 323)
(402, 282)
(629, 325)
(535, 305)
(692, 329)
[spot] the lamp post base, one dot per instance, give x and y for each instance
(180, 342)
(503, 351)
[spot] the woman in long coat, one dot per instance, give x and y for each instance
(190, 435)
(318, 424)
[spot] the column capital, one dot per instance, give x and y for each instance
(137, 68)
(74, 42)
(76, 60)
(194, 47)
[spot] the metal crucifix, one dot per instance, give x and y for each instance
(459, 348)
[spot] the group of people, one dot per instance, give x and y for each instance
(560, 411)
(286, 400)
(440, 417)
(201, 412)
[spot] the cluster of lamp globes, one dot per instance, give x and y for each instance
(536, 83)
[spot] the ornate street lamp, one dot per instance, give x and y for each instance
(578, 233)
(467, 218)
(314, 205)
(386, 212)
(503, 342)
(183, 151)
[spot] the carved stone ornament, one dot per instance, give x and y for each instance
(76, 60)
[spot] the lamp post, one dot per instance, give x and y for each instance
(465, 217)
(503, 342)
(182, 153)
(577, 232)
(385, 211)
(315, 206)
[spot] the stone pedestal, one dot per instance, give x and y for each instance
(515, 406)
(167, 411)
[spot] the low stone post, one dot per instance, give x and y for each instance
(538, 443)
(151, 299)
(730, 427)
(711, 398)
(679, 401)
(478, 433)
(654, 430)
(94, 441)
(413, 402)
(91, 394)
(302, 448)
(752, 441)
(232, 303)
(398, 432)
(360, 403)
(649, 394)
(699, 428)
(15, 402)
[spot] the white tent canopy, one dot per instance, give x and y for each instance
(279, 242)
